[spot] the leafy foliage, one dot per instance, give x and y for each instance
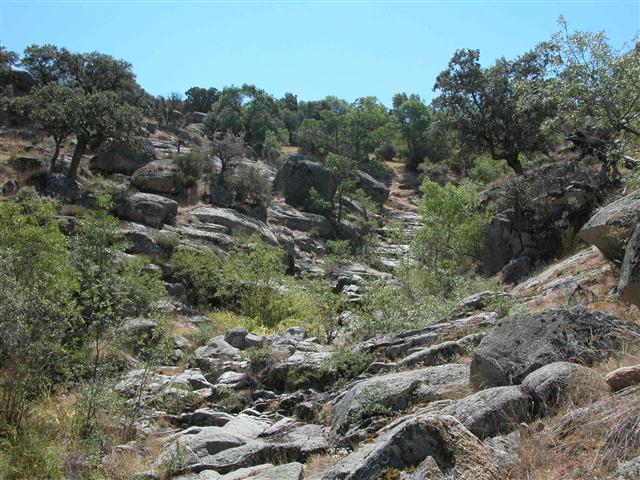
(247, 111)
(36, 308)
(596, 85)
(414, 119)
(498, 110)
(452, 229)
(192, 165)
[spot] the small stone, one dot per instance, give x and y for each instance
(236, 337)
(253, 340)
(623, 377)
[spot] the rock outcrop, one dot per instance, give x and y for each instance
(148, 208)
(395, 392)
(298, 175)
(490, 412)
(629, 283)
(408, 442)
(375, 189)
(235, 222)
(159, 176)
(520, 344)
(244, 441)
(124, 157)
(611, 227)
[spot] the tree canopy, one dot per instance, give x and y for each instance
(597, 86)
(498, 110)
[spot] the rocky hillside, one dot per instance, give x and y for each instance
(536, 377)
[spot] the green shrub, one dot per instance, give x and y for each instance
(487, 170)
(316, 203)
(407, 303)
(29, 454)
(386, 151)
(369, 405)
(258, 358)
(249, 184)
(452, 231)
(191, 166)
(506, 305)
(342, 366)
(201, 271)
(249, 281)
(176, 403)
(144, 285)
(232, 401)
(37, 309)
(273, 143)
(341, 249)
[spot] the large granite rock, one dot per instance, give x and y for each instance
(611, 227)
(282, 214)
(140, 240)
(242, 442)
(267, 471)
(520, 344)
(375, 189)
(623, 377)
(493, 411)
(148, 208)
(410, 442)
(299, 370)
(124, 156)
(509, 236)
(235, 222)
(215, 352)
(553, 383)
(629, 284)
(298, 175)
(395, 392)
(159, 176)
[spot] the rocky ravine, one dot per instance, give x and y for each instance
(447, 401)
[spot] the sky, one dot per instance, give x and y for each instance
(349, 49)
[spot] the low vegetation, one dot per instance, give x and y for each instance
(78, 314)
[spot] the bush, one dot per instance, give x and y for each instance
(452, 230)
(143, 284)
(316, 203)
(273, 143)
(370, 405)
(386, 151)
(200, 271)
(335, 371)
(341, 249)
(407, 303)
(487, 170)
(29, 454)
(248, 281)
(249, 184)
(343, 366)
(191, 166)
(37, 309)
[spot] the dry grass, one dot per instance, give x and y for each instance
(584, 443)
(320, 463)
(326, 414)
(180, 326)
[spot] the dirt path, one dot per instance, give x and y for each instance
(402, 189)
(400, 206)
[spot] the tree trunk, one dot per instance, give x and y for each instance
(515, 164)
(81, 147)
(56, 152)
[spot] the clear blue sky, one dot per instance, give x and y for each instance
(313, 49)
